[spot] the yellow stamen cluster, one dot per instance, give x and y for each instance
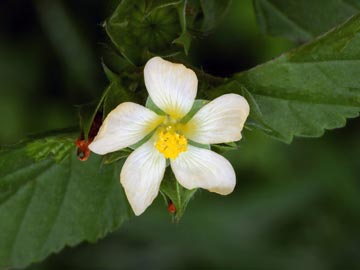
(170, 143)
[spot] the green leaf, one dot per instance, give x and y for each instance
(224, 147)
(116, 92)
(50, 199)
(116, 156)
(121, 89)
(213, 11)
(174, 193)
(87, 113)
(301, 20)
(54, 147)
(308, 90)
(185, 38)
(114, 62)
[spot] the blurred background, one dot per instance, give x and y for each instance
(295, 206)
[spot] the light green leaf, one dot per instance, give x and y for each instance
(51, 147)
(308, 90)
(50, 199)
(301, 20)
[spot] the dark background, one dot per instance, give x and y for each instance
(295, 206)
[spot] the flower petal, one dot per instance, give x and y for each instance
(202, 168)
(219, 121)
(126, 125)
(172, 87)
(141, 176)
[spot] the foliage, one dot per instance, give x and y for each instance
(310, 89)
(49, 199)
(302, 20)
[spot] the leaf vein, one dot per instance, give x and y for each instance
(61, 203)
(288, 19)
(19, 228)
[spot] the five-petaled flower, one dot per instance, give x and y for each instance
(172, 87)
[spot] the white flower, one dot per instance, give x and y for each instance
(172, 87)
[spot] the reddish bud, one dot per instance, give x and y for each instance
(171, 208)
(83, 151)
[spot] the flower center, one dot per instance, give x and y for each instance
(170, 143)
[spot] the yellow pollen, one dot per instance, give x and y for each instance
(170, 143)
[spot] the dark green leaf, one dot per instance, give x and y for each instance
(142, 29)
(153, 5)
(213, 11)
(87, 113)
(185, 38)
(308, 90)
(301, 20)
(113, 61)
(50, 199)
(185, 41)
(116, 92)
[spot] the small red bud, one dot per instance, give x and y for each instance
(171, 208)
(83, 151)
